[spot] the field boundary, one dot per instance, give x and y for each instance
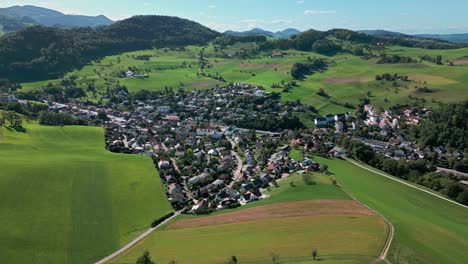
(405, 183)
(391, 230)
(135, 241)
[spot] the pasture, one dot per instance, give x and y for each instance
(295, 219)
(65, 199)
(427, 229)
(347, 80)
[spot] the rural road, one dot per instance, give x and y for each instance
(405, 183)
(134, 241)
(454, 172)
(238, 172)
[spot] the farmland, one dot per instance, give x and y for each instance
(427, 229)
(65, 199)
(309, 216)
(349, 79)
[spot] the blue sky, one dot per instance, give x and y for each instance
(407, 16)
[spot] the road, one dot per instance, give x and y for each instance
(405, 183)
(454, 172)
(258, 131)
(238, 172)
(136, 240)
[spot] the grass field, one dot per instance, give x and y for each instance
(65, 199)
(427, 229)
(347, 81)
(290, 223)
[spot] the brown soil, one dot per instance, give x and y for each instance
(461, 62)
(272, 66)
(278, 210)
(356, 79)
(203, 84)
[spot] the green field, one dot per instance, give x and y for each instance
(347, 81)
(65, 199)
(427, 229)
(339, 238)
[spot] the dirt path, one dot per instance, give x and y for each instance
(405, 183)
(135, 241)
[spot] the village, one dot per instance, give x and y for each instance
(211, 158)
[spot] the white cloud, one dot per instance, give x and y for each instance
(146, 4)
(300, 1)
(281, 21)
(319, 12)
(211, 6)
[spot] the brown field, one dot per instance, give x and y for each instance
(278, 210)
(461, 62)
(203, 84)
(355, 79)
(432, 79)
(270, 66)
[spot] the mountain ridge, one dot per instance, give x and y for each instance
(28, 15)
(258, 31)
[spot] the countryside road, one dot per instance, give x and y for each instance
(134, 241)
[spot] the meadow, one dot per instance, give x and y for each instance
(427, 229)
(295, 219)
(347, 80)
(65, 199)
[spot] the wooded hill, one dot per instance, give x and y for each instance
(38, 52)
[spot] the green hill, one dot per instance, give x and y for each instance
(65, 199)
(38, 53)
(427, 229)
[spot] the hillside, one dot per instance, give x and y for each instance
(41, 53)
(309, 216)
(65, 199)
(29, 14)
(455, 38)
(427, 229)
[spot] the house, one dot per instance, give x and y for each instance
(198, 179)
(276, 55)
(337, 152)
(177, 193)
(227, 193)
(340, 117)
(339, 126)
(164, 109)
(7, 98)
(213, 152)
(321, 122)
(356, 126)
(164, 164)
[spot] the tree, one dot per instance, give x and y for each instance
(102, 115)
(274, 258)
(314, 253)
(145, 259)
(232, 260)
(463, 197)
(324, 168)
